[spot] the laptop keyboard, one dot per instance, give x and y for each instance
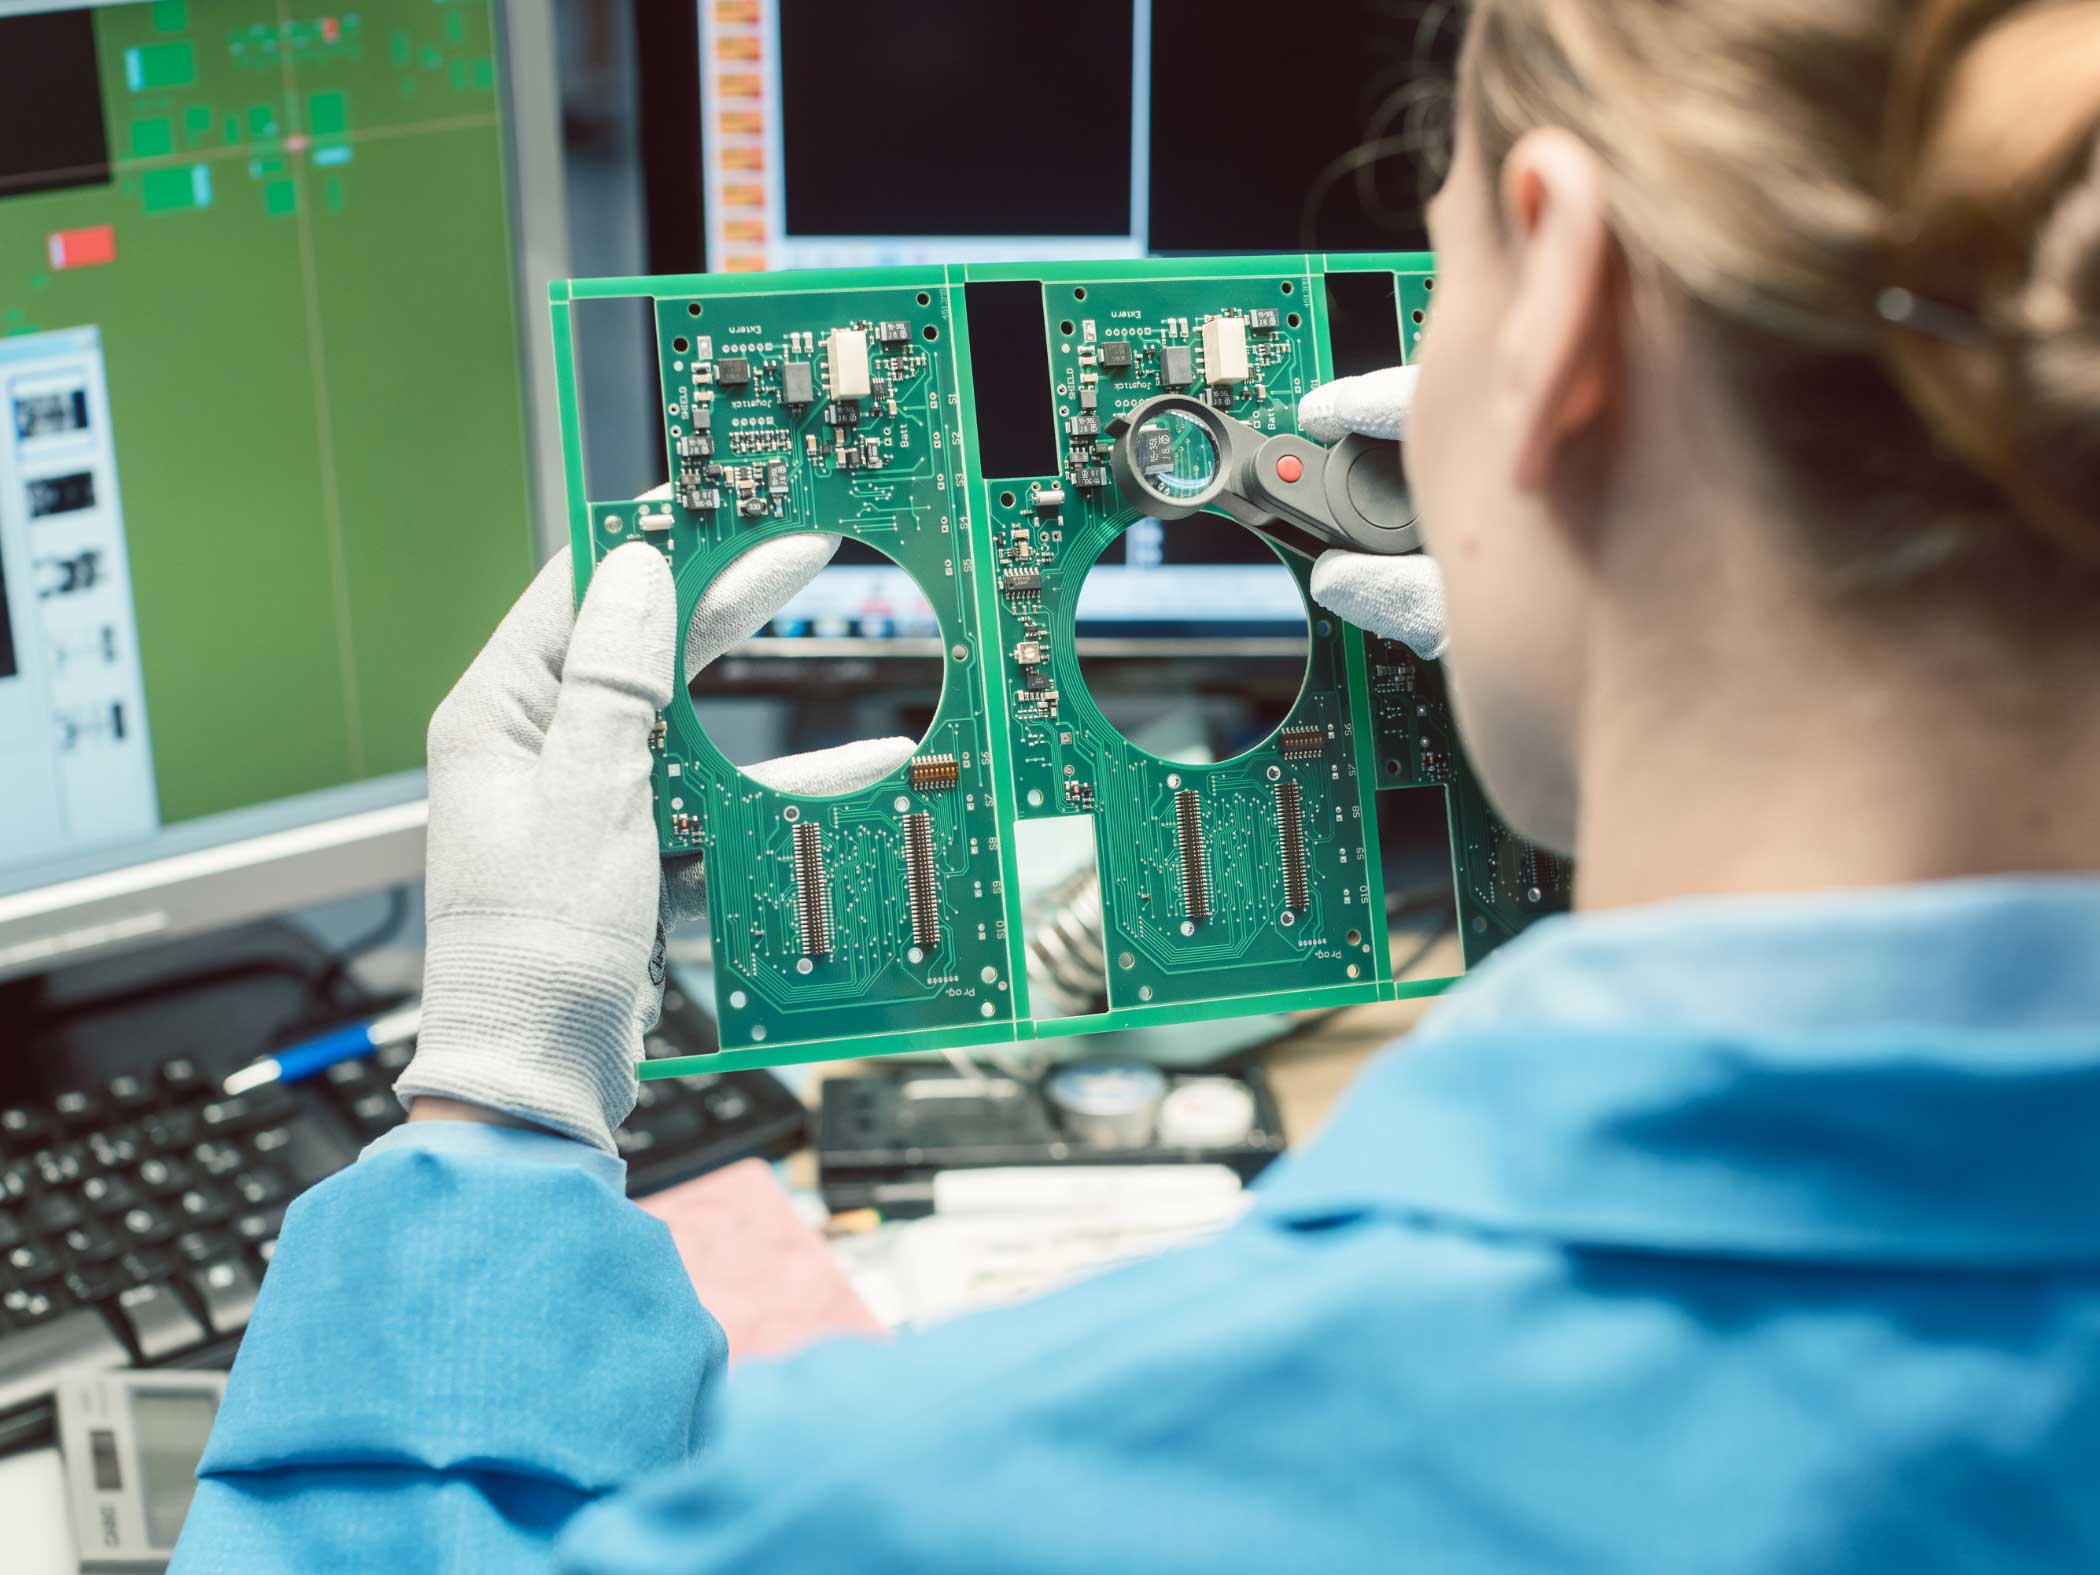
(137, 1216)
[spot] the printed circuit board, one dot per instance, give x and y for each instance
(882, 405)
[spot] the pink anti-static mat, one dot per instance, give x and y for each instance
(765, 1275)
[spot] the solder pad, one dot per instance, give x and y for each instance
(888, 919)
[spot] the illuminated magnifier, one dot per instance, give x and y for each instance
(1175, 456)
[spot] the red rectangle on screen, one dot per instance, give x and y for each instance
(88, 248)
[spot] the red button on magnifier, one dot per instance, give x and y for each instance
(1290, 468)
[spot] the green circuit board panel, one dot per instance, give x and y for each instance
(888, 919)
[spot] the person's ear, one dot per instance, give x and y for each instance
(1559, 349)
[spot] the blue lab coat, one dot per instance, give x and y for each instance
(1738, 1236)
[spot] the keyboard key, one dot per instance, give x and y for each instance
(89, 1243)
(392, 1060)
(158, 1322)
(77, 1108)
(24, 1306)
(673, 1124)
(226, 1115)
(15, 1182)
(162, 1175)
(55, 1212)
(95, 1282)
(271, 1102)
(116, 1148)
(168, 1130)
(226, 1290)
(182, 1077)
(725, 1104)
(146, 1224)
(109, 1194)
(303, 1149)
(129, 1092)
(203, 1206)
(30, 1261)
(200, 1246)
(634, 1142)
(61, 1166)
(22, 1127)
(376, 1113)
(260, 1188)
(149, 1263)
(218, 1158)
(10, 1231)
(348, 1079)
(259, 1225)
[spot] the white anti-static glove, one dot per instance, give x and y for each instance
(546, 895)
(1396, 598)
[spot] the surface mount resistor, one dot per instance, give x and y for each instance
(919, 877)
(812, 890)
(1290, 842)
(1195, 859)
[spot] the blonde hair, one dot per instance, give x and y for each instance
(1885, 217)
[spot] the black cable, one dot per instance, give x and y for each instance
(330, 978)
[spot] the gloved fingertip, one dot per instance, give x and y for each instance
(1375, 404)
(633, 567)
(624, 630)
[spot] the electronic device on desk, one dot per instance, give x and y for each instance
(129, 1444)
(884, 1135)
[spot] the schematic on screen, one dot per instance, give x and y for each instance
(224, 422)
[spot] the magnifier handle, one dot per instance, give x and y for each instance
(1352, 495)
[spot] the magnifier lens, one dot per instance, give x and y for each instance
(1175, 455)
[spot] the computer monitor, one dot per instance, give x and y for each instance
(839, 136)
(273, 452)
(895, 131)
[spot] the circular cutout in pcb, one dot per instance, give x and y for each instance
(856, 654)
(1193, 637)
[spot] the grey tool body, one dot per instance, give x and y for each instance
(1177, 456)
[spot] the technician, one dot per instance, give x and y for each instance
(1744, 1221)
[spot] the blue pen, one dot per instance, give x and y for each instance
(317, 1055)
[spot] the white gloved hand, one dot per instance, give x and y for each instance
(1395, 598)
(546, 894)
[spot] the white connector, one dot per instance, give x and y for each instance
(846, 357)
(1225, 350)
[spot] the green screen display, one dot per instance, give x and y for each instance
(293, 245)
